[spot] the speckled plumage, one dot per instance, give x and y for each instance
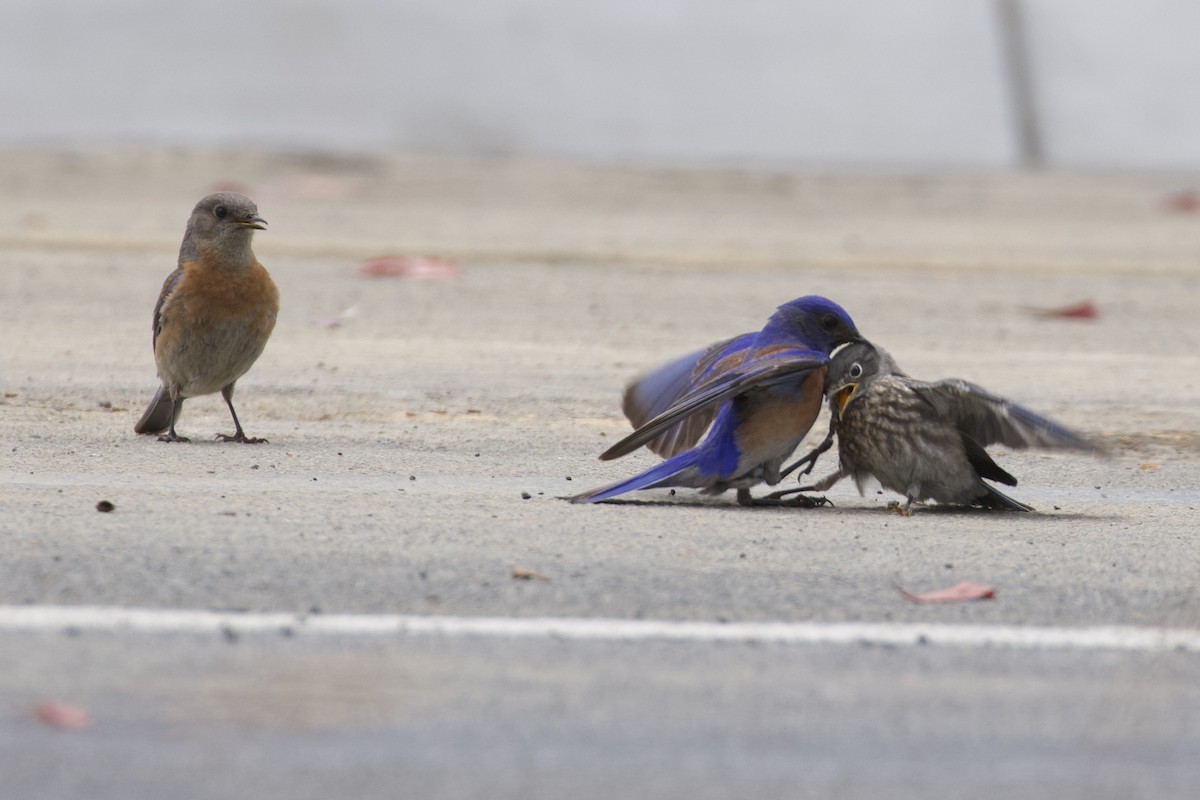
(925, 440)
(214, 314)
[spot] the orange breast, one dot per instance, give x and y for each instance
(783, 419)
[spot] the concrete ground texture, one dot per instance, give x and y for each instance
(421, 431)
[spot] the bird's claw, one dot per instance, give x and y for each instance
(173, 437)
(240, 437)
(799, 501)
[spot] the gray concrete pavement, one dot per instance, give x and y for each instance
(402, 441)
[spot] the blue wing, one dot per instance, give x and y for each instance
(778, 366)
(651, 394)
(668, 473)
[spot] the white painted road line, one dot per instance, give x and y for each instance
(165, 621)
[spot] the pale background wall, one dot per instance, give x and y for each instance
(749, 83)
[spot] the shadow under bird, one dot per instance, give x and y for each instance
(213, 316)
(925, 440)
(756, 394)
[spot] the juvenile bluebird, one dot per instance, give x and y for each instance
(925, 440)
(760, 391)
(213, 316)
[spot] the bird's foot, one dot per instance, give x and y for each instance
(783, 498)
(904, 510)
(173, 437)
(240, 437)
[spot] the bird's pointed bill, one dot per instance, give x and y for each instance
(842, 396)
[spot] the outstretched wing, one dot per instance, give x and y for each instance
(651, 394)
(989, 419)
(761, 370)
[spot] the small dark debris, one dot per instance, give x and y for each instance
(230, 634)
(412, 477)
(105, 404)
(525, 495)
(104, 506)
(568, 477)
(254, 466)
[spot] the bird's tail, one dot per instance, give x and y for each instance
(158, 414)
(665, 474)
(997, 499)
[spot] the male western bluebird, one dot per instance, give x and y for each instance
(925, 440)
(761, 391)
(213, 316)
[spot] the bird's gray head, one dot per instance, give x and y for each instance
(853, 367)
(221, 226)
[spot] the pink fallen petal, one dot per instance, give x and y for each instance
(412, 267)
(1182, 202)
(1084, 310)
(60, 715)
(958, 593)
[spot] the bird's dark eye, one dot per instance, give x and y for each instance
(856, 370)
(220, 212)
(829, 322)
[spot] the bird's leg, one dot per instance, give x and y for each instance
(906, 509)
(238, 434)
(171, 435)
(744, 498)
(810, 458)
(820, 486)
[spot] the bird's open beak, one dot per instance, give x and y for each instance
(256, 222)
(842, 396)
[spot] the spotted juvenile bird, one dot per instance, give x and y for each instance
(760, 392)
(213, 316)
(925, 440)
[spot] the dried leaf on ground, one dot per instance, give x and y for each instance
(522, 574)
(61, 715)
(1085, 309)
(411, 267)
(958, 593)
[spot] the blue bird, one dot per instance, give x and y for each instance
(756, 394)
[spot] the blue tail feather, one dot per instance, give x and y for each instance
(653, 478)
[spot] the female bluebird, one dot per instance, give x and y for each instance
(213, 316)
(925, 440)
(760, 391)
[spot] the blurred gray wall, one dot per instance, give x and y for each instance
(730, 82)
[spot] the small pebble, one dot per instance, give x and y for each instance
(104, 506)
